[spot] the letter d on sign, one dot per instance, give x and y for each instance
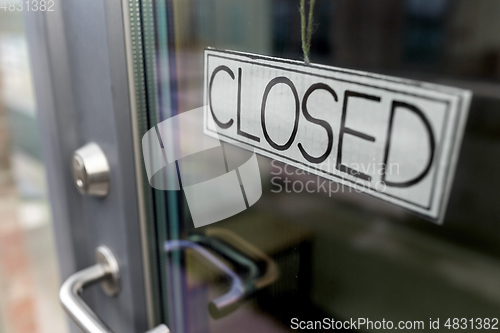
(430, 138)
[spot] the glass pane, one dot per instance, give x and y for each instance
(310, 248)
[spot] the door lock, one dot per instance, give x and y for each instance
(91, 170)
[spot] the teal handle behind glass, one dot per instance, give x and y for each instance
(227, 302)
(238, 252)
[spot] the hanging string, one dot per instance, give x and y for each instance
(306, 32)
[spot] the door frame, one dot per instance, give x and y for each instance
(82, 64)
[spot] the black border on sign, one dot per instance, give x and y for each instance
(403, 82)
(386, 78)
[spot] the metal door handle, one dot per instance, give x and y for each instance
(106, 271)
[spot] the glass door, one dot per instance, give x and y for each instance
(310, 252)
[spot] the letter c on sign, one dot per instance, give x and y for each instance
(217, 70)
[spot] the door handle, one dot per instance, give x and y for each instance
(237, 251)
(107, 272)
(270, 272)
(227, 302)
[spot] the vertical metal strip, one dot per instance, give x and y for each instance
(139, 115)
(174, 286)
(155, 115)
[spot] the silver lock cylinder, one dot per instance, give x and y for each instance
(91, 170)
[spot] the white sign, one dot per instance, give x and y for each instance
(395, 139)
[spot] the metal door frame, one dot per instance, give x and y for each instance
(81, 57)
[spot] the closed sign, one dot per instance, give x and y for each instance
(395, 139)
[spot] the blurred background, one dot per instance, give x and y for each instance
(29, 276)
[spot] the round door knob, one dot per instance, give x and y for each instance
(91, 170)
